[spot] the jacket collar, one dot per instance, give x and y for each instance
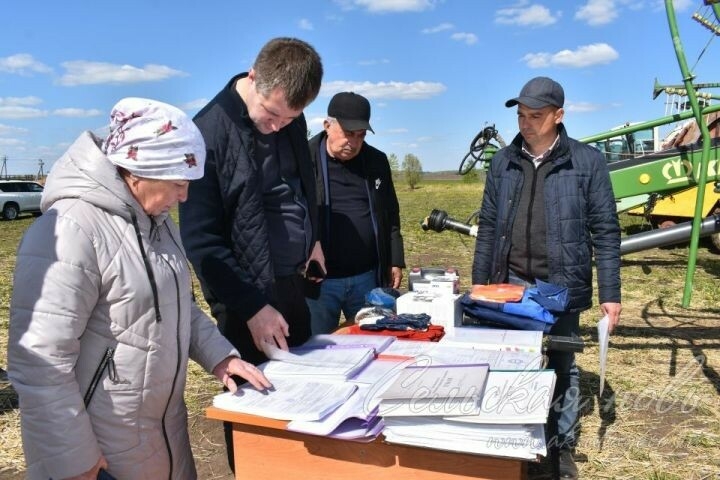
(558, 155)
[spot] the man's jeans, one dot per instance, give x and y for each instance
(346, 295)
(566, 400)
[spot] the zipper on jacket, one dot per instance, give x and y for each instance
(105, 362)
(531, 207)
(178, 353)
(146, 262)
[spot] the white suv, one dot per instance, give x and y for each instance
(18, 196)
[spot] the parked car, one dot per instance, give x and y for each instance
(19, 196)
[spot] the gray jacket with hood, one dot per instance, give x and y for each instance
(102, 313)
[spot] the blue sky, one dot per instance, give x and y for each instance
(436, 71)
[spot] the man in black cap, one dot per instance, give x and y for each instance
(359, 214)
(548, 208)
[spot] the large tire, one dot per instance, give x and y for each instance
(10, 211)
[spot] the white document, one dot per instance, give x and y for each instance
(603, 327)
(359, 406)
(435, 390)
(515, 441)
(321, 362)
(496, 359)
(521, 397)
(408, 349)
(334, 340)
(290, 399)
(494, 339)
(381, 372)
(447, 354)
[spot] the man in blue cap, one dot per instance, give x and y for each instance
(548, 208)
(359, 214)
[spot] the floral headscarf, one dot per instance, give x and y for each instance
(152, 139)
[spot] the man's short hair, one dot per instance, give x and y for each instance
(291, 65)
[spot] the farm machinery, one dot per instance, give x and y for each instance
(674, 183)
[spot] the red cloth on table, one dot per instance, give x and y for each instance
(432, 334)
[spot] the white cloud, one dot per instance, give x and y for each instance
(305, 24)
(77, 112)
(398, 130)
(10, 130)
(597, 12)
(315, 124)
(438, 28)
(80, 72)
(387, 90)
(384, 6)
(468, 38)
(196, 104)
(526, 16)
(22, 64)
(19, 101)
(11, 142)
(581, 107)
(368, 63)
(678, 5)
(584, 56)
(16, 112)
(681, 5)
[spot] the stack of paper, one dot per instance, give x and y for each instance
(357, 419)
(378, 342)
(495, 339)
(451, 354)
(515, 398)
(289, 399)
(435, 390)
(514, 408)
(317, 363)
(515, 441)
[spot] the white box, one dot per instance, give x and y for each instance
(444, 310)
(444, 285)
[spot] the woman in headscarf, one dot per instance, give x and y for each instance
(102, 316)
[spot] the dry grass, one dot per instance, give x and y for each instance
(659, 417)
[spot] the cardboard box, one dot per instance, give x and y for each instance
(443, 309)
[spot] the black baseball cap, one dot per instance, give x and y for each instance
(351, 110)
(539, 93)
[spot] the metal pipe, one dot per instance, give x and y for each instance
(439, 221)
(667, 236)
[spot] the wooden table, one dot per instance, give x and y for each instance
(264, 449)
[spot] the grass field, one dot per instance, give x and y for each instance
(659, 417)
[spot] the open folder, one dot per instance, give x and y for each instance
(289, 399)
(435, 390)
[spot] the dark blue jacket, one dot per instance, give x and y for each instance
(223, 223)
(384, 206)
(580, 220)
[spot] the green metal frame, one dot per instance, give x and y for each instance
(705, 157)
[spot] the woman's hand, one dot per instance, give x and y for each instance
(248, 371)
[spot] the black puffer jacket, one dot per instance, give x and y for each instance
(223, 224)
(580, 221)
(384, 206)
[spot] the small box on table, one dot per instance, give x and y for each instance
(444, 310)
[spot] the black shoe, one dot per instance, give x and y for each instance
(568, 469)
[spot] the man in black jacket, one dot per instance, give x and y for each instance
(359, 214)
(250, 225)
(548, 208)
